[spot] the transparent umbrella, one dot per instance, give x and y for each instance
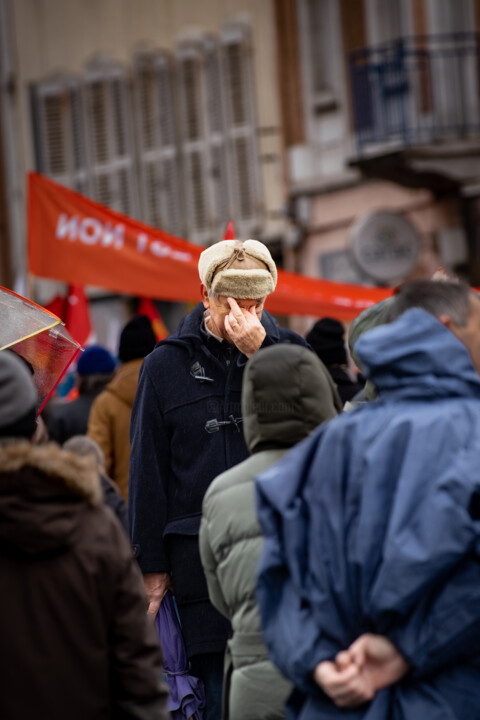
(39, 337)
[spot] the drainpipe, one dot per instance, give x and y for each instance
(14, 166)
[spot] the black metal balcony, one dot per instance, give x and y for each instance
(416, 91)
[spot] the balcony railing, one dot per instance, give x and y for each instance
(417, 90)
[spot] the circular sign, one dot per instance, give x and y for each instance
(385, 245)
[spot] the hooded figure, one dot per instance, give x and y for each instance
(372, 525)
(76, 639)
(287, 392)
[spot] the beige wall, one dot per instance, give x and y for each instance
(62, 35)
(332, 216)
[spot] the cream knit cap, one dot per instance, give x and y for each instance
(238, 268)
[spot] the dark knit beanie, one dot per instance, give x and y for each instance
(327, 339)
(137, 339)
(95, 360)
(18, 397)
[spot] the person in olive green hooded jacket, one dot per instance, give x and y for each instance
(287, 392)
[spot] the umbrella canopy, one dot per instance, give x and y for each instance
(187, 695)
(39, 337)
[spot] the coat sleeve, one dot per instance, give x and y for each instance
(444, 631)
(136, 664)
(210, 564)
(149, 474)
(426, 592)
(100, 429)
(295, 641)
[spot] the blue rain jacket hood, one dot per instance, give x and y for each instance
(373, 525)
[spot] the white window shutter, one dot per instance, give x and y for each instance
(191, 96)
(110, 145)
(59, 132)
(156, 128)
(218, 176)
(241, 128)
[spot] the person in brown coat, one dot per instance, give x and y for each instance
(76, 639)
(109, 421)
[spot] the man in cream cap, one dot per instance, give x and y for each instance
(187, 428)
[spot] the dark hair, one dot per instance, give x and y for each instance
(433, 296)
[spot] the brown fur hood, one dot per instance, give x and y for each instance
(43, 492)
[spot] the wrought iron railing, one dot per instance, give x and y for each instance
(416, 90)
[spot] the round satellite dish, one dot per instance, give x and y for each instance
(385, 245)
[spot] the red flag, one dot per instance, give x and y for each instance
(74, 311)
(229, 231)
(147, 307)
(57, 306)
(76, 240)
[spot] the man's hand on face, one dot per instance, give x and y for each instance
(244, 328)
(371, 663)
(156, 587)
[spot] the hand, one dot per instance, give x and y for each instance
(244, 328)
(370, 664)
(379, 659)
(346, 686)
(156, 587)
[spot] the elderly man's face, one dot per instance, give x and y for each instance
(219, 308)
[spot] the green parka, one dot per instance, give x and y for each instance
(287, 392)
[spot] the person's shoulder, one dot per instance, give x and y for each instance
(221, 486)
(277, 333)
(290, 336)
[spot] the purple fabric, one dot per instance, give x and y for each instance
(187, 695)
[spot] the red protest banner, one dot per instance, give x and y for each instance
(80, 242)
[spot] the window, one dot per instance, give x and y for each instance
(59, 132)
(161, 195)
(108, 124)
(241, 128)
(194, 159)
(219, 180)
(318, 27)
(192, 107)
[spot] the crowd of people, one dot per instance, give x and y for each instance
(311, 503)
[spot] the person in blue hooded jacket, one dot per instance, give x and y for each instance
(186, 429)
(369, 584)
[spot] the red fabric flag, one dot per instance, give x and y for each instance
(77, 240)
(229, 231)
(147, 307)
(77, 318)
(74, 311)
(57, 306)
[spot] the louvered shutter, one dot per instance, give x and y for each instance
(218, 177)
(191, 96)
(159, 157)
(243, 156)
(108, 124)
(59, 132)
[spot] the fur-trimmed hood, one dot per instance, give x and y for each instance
(43, 490)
